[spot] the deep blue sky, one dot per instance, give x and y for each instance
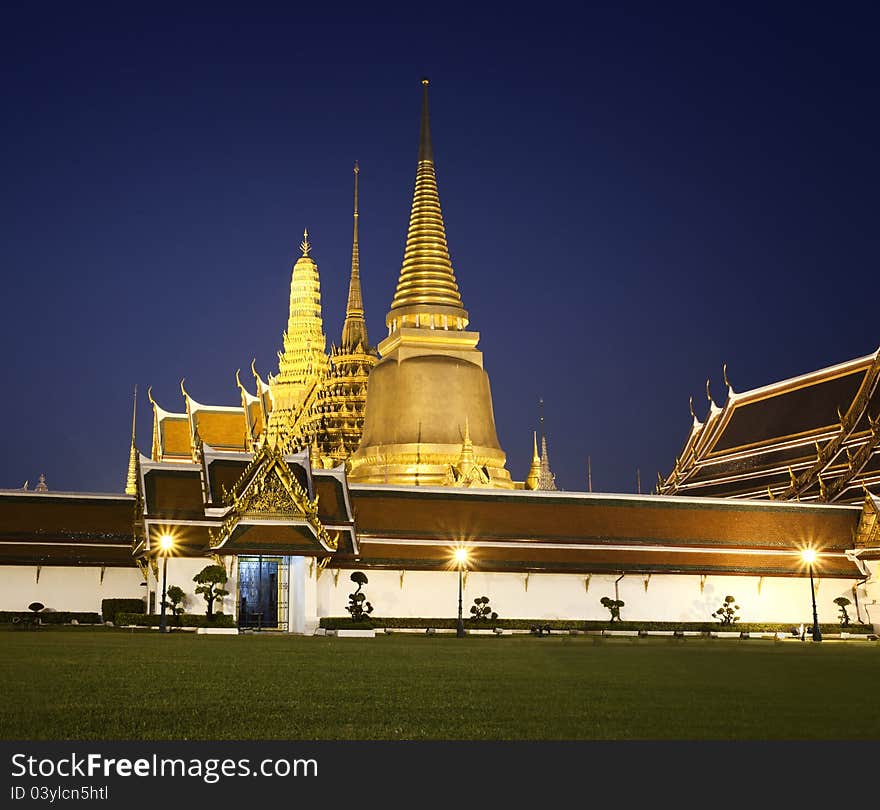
(632, 198)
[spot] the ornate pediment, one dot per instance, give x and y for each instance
(868, 532)
(268, 490)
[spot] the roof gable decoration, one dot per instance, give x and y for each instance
(268, 490)
(868, 532)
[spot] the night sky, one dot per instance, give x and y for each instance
(632, 198)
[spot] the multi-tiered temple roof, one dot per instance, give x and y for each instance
(815, 437)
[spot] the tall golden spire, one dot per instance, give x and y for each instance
(430, 379)
(534, 476)
(131, 480)
(427, 293)
(303, 362)
(354, 331)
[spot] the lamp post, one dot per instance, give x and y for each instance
(809, 557)
(166, 541)
(461, 559)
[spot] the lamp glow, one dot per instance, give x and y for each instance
(809, 557)
(460, 555)
(166, 543)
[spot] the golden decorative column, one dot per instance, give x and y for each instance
(430, 385)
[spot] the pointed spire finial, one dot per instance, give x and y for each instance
(305, 246)
(426, 150)
(534, 476)
(131, 478)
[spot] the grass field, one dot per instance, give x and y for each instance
(106, 685)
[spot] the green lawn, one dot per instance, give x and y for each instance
(104, 684)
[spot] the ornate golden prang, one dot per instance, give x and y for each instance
(303, 363)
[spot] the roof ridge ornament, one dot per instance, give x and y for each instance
(730, 391)
(305, 246)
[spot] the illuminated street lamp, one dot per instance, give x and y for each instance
(461, 556)
(809, 557)
(166, 543)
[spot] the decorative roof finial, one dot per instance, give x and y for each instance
(426, 150)
(305, 246)
(41, 484)
(726, 381)
(691, 406)
(131, 479)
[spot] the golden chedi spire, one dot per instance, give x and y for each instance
(534, 476)
(303, 362)
(339, 413)
(430, 379)
(426, 290)
(131, 481)
(354, 330)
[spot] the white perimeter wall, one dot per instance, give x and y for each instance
(668, 597)
(72, 588)
(435, 594)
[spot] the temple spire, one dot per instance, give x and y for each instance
(534, 476)
(354, 330)
(427, 294)
(546, 480)
(426, 151)
(131, 480)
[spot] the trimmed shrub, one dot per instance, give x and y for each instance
(186, 620)
(110, 607)
(49, 617)
(334, 622)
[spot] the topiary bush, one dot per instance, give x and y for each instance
(358, 606)
(480, 610)
(842, 602)
(726, 614)
(613, 606)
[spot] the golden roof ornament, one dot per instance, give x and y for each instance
(131, 479)
(534, 476)
(305, 246)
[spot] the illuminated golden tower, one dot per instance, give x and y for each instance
(534, 476)
(430, 388)
(302, 364)
(131, 478)
(339, 412)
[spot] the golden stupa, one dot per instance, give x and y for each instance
(429, 395)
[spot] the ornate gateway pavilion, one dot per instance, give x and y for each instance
(388, 461)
